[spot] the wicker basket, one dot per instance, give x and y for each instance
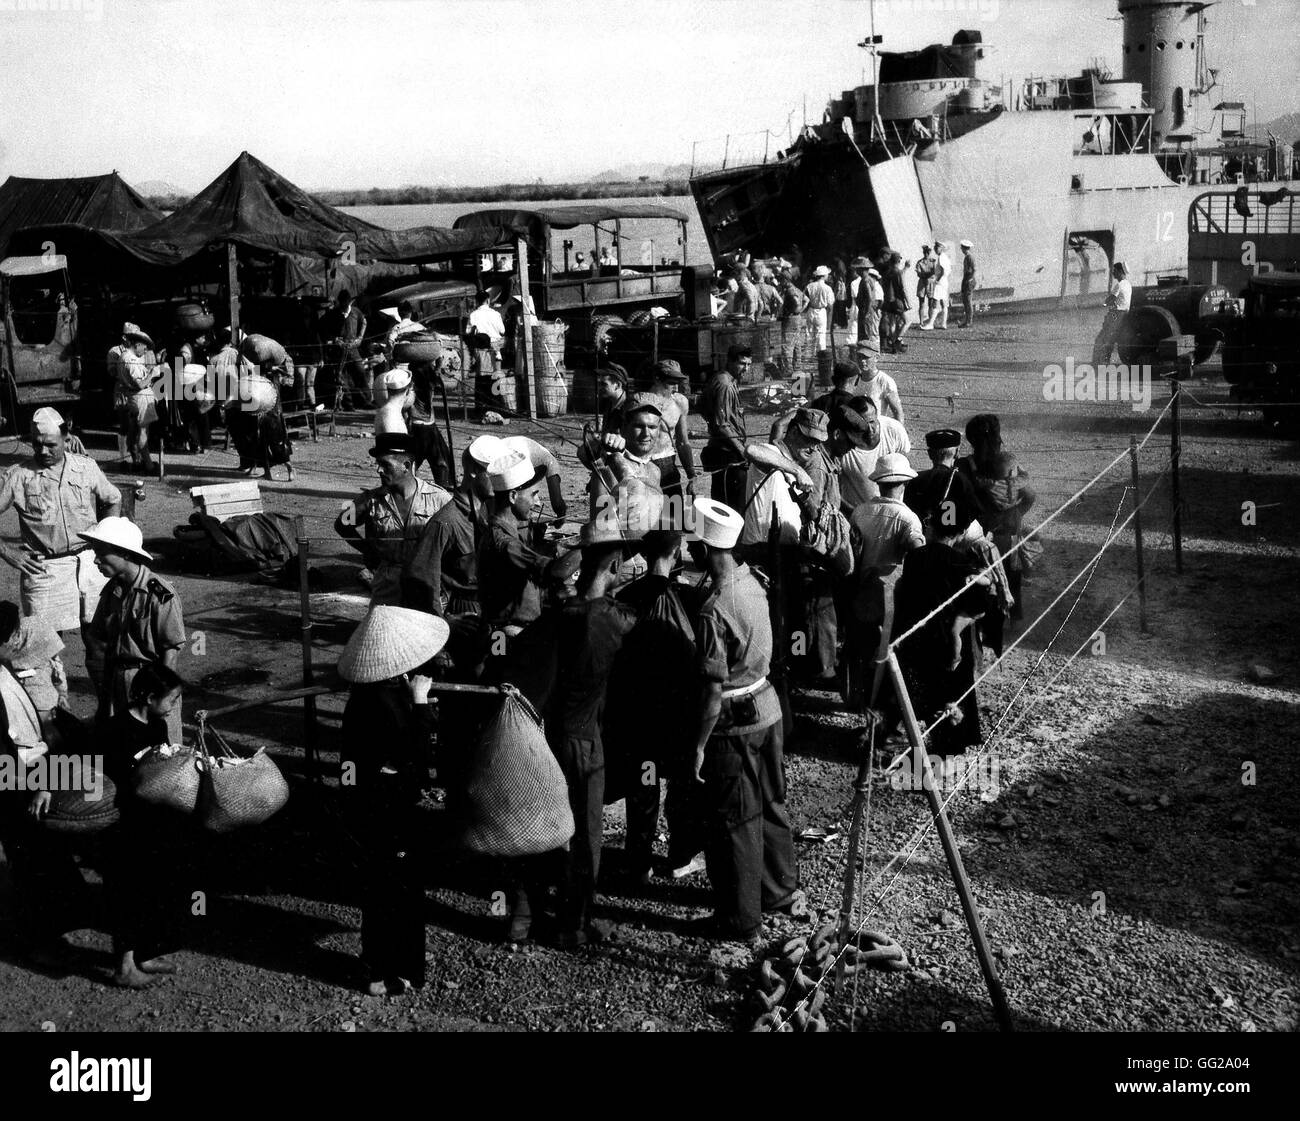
(75, 812)
(236, 790)
(169, 780)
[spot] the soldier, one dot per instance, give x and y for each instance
(749, 848)
(138, 621)
(57, 494)
(393, 515)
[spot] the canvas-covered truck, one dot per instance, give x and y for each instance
(39, 364)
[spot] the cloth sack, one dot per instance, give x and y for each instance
(827, 535)
(518, 800)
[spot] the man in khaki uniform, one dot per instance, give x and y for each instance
(138, 620)
(57, 495)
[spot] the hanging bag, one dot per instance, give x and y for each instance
(236, 790)
(518, 800)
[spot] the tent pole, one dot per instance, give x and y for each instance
(526, 321)
(232, 283)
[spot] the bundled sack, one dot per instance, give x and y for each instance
(89, 808)
(236, 790)
(169, 776)
(518, 801)
(827, 535)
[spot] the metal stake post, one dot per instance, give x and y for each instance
(921, 766)
(1137, 533)
(309, 702)
(1175, 457)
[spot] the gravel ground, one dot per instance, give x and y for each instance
(1135, 862)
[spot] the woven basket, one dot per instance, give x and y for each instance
(73, 811)
(172, 781)
(518, 799)
(236, 790)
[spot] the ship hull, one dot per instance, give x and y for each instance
(1046, 223)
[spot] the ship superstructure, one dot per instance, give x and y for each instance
(1053, 179)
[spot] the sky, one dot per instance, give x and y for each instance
(386, 93)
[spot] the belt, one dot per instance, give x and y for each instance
(744, 690)
(65, 556)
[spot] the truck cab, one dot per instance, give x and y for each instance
(1261, 343)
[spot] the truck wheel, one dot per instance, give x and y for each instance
(1144, 329)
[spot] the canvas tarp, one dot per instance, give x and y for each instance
(103, 202)
(252, 206)
(528, 223)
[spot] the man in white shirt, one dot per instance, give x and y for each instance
(486, 320)
(942, 284)
(859, 437)
(1117, 306)
(821, 298)
(873, 382)
(883, 531)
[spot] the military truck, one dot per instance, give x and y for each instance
(39, 364)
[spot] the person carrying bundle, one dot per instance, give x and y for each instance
(385, 762)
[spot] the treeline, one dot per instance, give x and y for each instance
(502, 192)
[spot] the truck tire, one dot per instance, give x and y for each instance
(1143, 331)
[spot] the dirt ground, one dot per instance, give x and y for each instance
(1135, 865)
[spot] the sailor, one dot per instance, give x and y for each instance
(392, 515)
(724, 454)
(738, 747)
(1118, 301)
(821, 299)
(893, 318)
(925, 282)
(57, 494)
(941, 491)
(137, 622)
(486, 448)
(939, 294)
(510, 571)
(967, 283)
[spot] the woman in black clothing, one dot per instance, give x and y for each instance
(384, 763)
(145, 895)
(938, 661)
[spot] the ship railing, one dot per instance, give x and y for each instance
(1217, 214)
(735, 149)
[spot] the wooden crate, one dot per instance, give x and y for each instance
(225, 500)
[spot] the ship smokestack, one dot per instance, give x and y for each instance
(1161, 47)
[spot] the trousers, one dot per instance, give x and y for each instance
(749, 847)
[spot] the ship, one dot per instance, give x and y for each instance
(1053, 179)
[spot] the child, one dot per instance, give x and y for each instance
(1003, 492)
(31, 651)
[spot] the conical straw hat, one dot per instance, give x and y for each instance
(391, 641)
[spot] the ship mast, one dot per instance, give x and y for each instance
(870, 44)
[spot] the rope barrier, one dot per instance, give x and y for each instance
(1028, 536)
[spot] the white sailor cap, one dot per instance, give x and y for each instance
(397, 378)
(510, 472)
(485, 449)
(717, 524)
(47, 421)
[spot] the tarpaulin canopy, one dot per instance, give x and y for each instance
(252, 206)
(529, 223)
(102, 202)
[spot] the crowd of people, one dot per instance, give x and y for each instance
(659, 642)
(870, 299)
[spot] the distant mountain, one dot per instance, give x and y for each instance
(1286, 128)
(651, 172)
(160, 188)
